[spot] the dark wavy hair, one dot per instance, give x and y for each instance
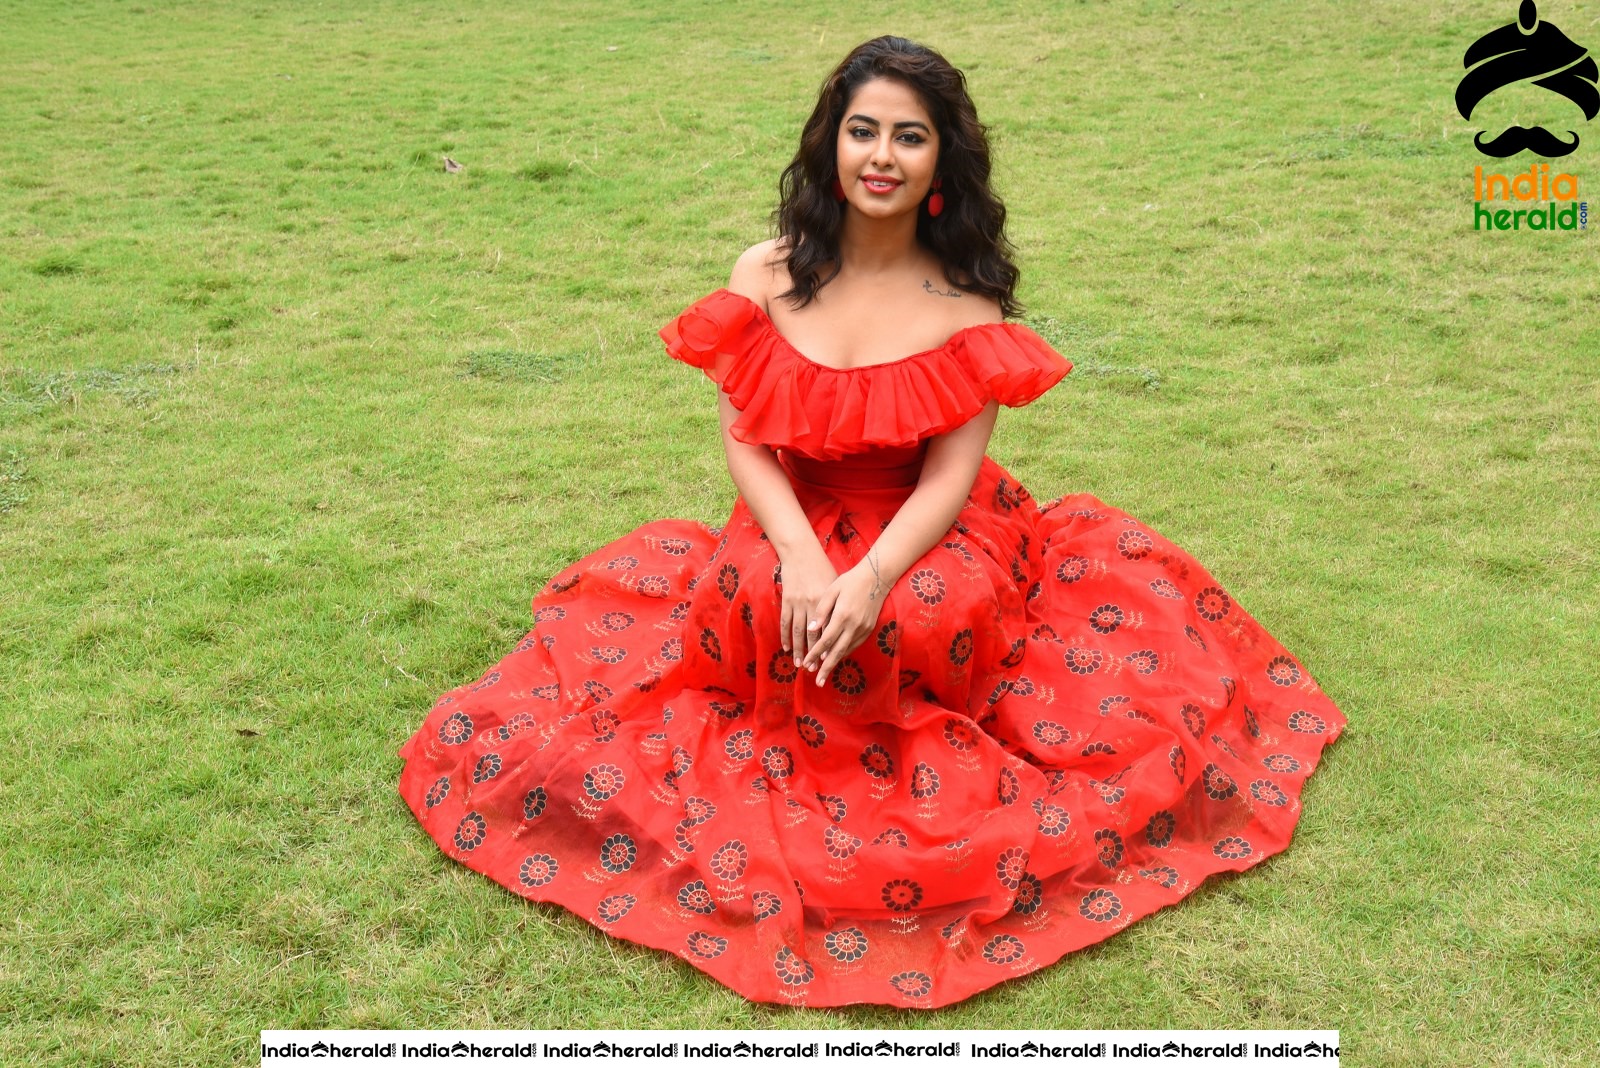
(968, 236)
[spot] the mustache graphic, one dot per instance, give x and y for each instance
(1517, 138)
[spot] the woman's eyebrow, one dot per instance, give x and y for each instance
(897, 126)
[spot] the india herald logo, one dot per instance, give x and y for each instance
(1529, 48)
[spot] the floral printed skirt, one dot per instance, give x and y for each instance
(1061, 724)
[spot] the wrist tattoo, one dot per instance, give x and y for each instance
(877, 578)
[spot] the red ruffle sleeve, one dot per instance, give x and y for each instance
(787, 400)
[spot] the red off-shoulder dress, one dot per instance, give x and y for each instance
(1061, 724)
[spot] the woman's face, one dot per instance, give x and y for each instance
(886, 134)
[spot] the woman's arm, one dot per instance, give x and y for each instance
(852, 603)
(765, 487)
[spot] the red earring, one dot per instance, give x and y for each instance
(838, 190)
(935, 199)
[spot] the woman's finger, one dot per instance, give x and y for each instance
(836, 650)
(797, 634)
(824, 643)
(785, 616)
(817, 629)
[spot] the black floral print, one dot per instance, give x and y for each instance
(781, 669)
(1082, 661)
(840, 844)
(847, 677)
(1100, 905)
(1302, 722)
(696, 898)
(902, 895)
(1053, 820)
(1010, 867)
(961, 647)
(538, 870)
(889, 638)
(654, 586)
(1212, 603)
(697, 810)
(706, 946)
(1158, 832)
(1144, 661)
(613, 908)
(729, 860)
(1268, 793)
(777, 762)
(849, 944)
(765, 904)
(740, 745)
(471, 831)
(811, 731)
(1232, 848)
(1162, 876)
(960, 735)
(728, 581)
(1030, 895)
(1009, 787)
(1003, 949)
(1072, 568)
(1283, 671)
(618, 853)
(487, 767)
(792, 970)
(1134, 544)
(1106, 618)
(833, 806)
(456, 729)
(912, 984)
(1108, 845)
(928, 586)
(533, 803)
(877, 762)
(1049, 733)
(1219, 785)
(603, 781)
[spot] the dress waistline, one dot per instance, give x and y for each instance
(842, 474)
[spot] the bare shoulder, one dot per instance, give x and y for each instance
(961, 307)
(976, 309)
(758, 271)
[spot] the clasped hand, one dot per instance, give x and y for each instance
(825, 614)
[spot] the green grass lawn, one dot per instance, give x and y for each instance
(293, 424)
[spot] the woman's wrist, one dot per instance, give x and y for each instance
(801, 551)
(881, 578)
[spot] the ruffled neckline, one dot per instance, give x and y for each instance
(766, 320)
(788, 400)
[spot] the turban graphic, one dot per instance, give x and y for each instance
(1526, 49)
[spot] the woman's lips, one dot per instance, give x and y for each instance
(881, 186)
